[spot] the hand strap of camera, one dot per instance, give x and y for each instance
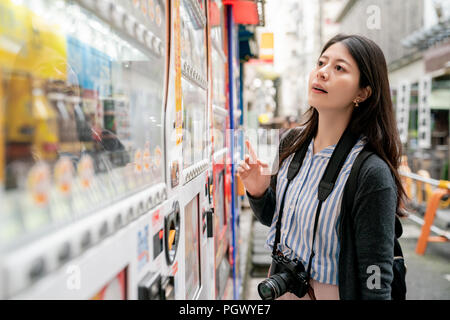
(326, 184)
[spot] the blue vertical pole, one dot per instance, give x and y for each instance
(231, 53)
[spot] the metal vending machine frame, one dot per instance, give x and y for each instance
(187, 147)
(103, 240)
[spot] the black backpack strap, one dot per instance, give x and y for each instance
(340, 153)
(352, 181)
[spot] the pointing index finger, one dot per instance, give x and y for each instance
(253, 155)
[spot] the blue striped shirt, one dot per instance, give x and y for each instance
(301, 203)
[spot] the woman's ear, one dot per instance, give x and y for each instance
(364, 93)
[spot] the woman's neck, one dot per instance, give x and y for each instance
(330, 129)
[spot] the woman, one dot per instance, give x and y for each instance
(348, 88)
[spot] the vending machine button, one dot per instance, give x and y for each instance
(140, 33)
(86, 240)
(140, 208)
(130, 214)
(158, 47)
(149, 38)
(37, 269)
(161, 49)
(150, 202)
(164, 193)
(130, 25)
(117, 13)
(64, 253)
(156, 42)
(103, 230)
(118, 222)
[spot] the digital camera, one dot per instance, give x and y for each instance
(285, 276)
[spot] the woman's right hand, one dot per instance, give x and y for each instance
(255, 174)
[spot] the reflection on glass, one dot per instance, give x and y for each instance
(81, 108)
(194, 115)
(193, 53)
(218, 75)
(217, 21)
(219, 132)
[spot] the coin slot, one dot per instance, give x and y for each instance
(172, 233)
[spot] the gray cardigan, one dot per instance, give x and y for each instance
(366, 234)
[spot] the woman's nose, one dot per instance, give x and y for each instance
(322, 74)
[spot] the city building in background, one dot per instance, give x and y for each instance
(415, 38)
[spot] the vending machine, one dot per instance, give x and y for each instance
(220, 131)
(85, 213)
(188, 147)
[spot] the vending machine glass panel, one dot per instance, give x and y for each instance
(194, 83)
(219, 132)
(218, 70)
(194, 142)
(82, 99)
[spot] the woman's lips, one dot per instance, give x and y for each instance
(317, 90)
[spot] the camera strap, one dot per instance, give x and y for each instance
(326, 184)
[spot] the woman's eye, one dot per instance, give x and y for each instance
(339, 68)
(320, 63)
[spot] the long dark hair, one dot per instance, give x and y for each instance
(374, 118)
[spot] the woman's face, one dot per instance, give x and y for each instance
(334, 82)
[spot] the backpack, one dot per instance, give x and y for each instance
(398, 284)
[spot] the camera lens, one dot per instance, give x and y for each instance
(274, 286)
